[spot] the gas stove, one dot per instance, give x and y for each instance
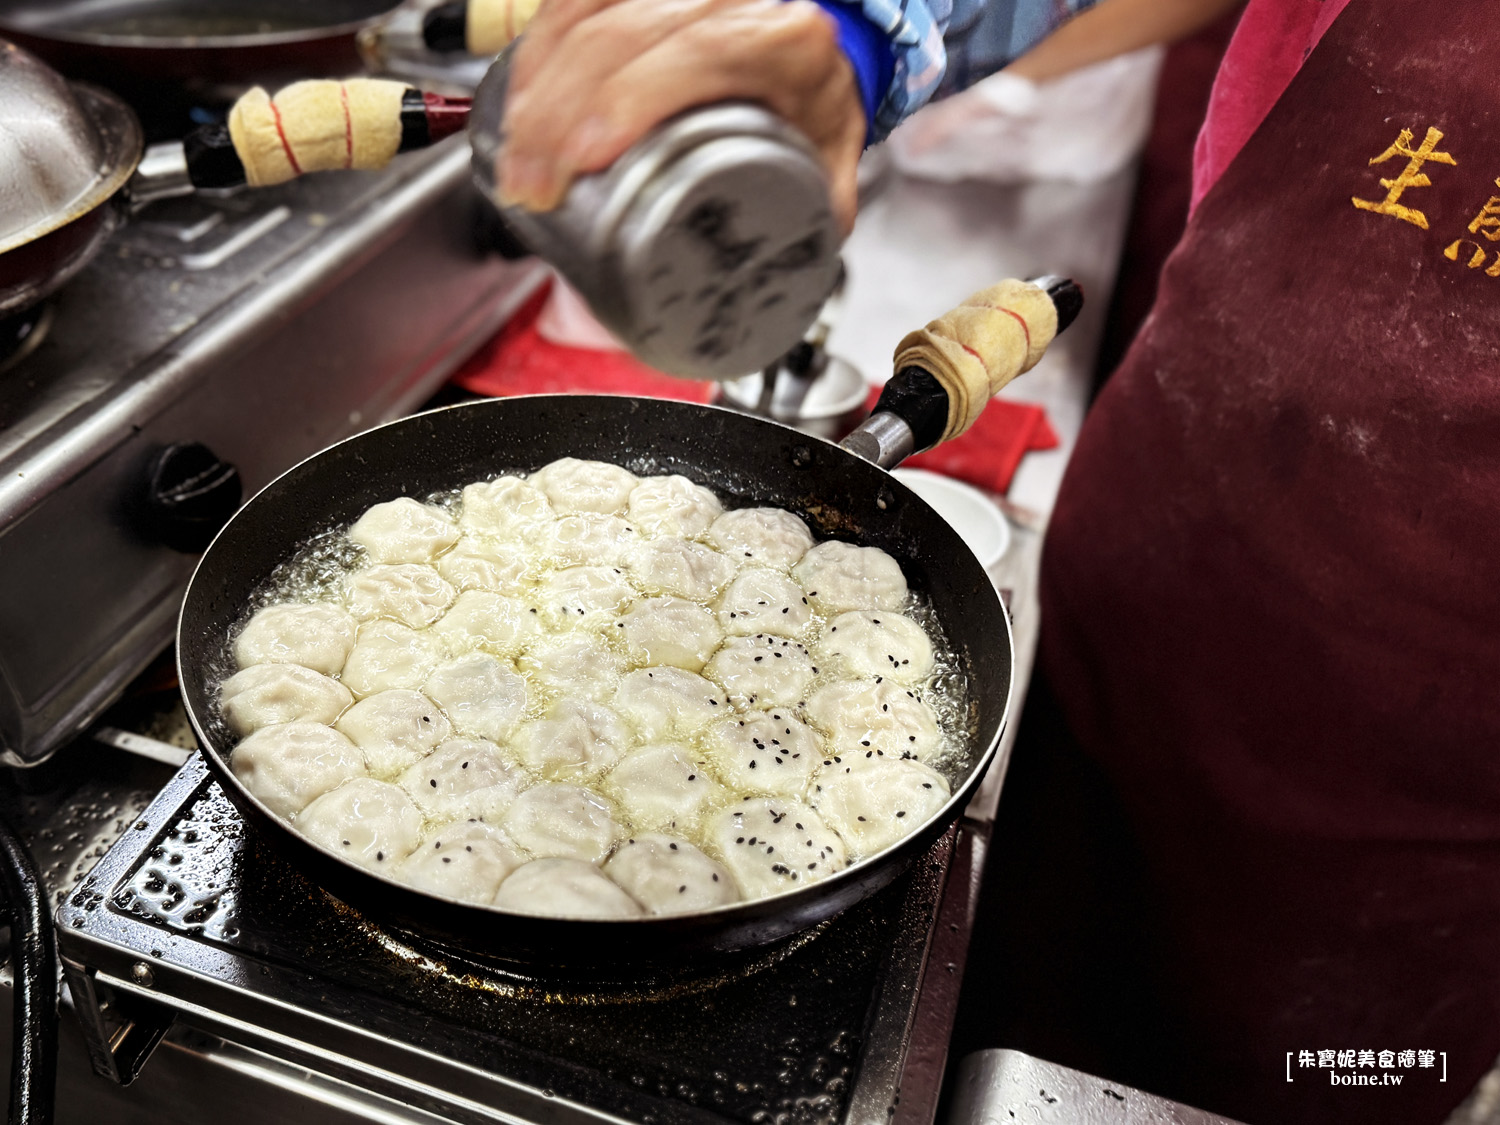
(227, 336)
(190, 926)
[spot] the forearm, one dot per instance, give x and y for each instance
(1116, 27)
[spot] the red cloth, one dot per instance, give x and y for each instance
(518, 361)
(991, 451)
(1270, 605)
(1272, 40)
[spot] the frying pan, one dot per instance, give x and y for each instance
(749, 462)
(134, 45)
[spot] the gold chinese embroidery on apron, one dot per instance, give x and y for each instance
(1486, 223)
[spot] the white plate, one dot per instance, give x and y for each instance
(970, 512)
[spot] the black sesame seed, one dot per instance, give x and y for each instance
(716, 876)
(432, 782)
(926, 785)
(861, 818)
(346, 843)
(752, 763)
(682, 888)
(901, 812)
(674, 846)
(380, 857)
(447, 859)
(739, 839)
(464, 766)
(468, 847)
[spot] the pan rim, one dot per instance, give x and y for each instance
(196, 42)
(984, 755)
(120, 133)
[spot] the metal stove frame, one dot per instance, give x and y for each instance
(133, 979)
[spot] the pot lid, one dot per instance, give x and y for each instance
(64, 148)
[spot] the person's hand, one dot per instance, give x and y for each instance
(590, 77)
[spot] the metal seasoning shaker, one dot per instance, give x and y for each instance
(707, 249)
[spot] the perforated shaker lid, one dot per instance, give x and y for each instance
(726, 254)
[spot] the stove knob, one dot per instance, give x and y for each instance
(190, 495)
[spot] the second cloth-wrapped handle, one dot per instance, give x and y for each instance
(317, 126)
(980, 346)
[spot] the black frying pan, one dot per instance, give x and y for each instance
(748, 461)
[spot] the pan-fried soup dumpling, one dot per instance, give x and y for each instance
(768, 536)
(764, 751)
(839, 577)
(667, 875)
(503, 508)
(663, 785)
(876, 717)
(466, 861)
(578, 664)
(581, 595)
(562, 821)
(586, 486)
(482, 619)
(580, 540)
(481, 695)
(315, 636)
(670, 631)
(575, 739)
(463, 778)
(410, 593)
(873, 802)
(388, 655)
(475, 564)
(876, 643)
(290, 764)
(564, 888)
(762, 671)
(404, 531)
(673, 505)
(394, 729)
(773, 844)
(670, 565)
(668, 702)
(369, 822)
(761, 600)
(263, 694)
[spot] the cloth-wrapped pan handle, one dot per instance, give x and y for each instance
(479, 27)
(314, 126)
(947, 372)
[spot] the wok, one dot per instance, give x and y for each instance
(748, 461)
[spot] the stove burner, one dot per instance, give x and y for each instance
(191, 917)
(22, 333)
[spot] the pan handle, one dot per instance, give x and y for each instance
(947, 372)
(212, 159)
(482, 28)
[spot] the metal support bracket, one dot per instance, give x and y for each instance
(121, 1033)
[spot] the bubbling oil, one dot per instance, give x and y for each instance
(319, 571)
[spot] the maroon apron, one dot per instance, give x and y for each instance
(1271, 591)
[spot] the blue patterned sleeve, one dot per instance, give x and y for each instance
(942, 46)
